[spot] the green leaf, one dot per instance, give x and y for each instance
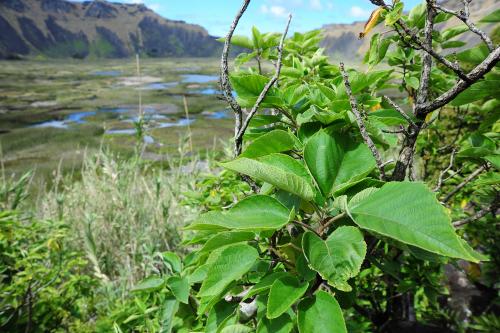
(229, 265)
(248, 88)
(255, 213)
(179, 287)
(173, 261)
(494, 160)
(276, 141)
(265, 284)
(280, 170)
(236, 328)
(492, 17)
(322, 156)
(474, 55)
(453, 44)
(416, 17)
(282, 324)
(257, 37)
(219, 314)
(226, 238)
(149, 284)
(478, 91)
(410, 213)
(337, 259)
(394, 15)
(335, 161)
(241, 41)
(170, 307)
(449, 33)
(389, 117)
(283, 294)
(321, 314)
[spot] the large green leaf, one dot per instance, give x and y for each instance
(335, 161)
(337, 259)
(321, 314)
(170, 307)
(248, 87)
(226, 238)
(228, 265)
(255, 213)
(280, 170)
(492, 17)
(219, 314)
(276, 141)
(284, 293)
(410, 213)
(241, 41)
(265, 284)
(173, 261)
(179, 287)
(323, 156)
(149, 284)
(282, 324)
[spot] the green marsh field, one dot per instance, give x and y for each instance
(52, 113)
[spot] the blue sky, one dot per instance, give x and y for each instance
(267, 15)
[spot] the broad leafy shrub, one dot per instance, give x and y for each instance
(333, 231)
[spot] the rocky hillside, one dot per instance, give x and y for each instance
(100, 29)
(341, 40)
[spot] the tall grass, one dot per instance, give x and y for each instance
(123, 213)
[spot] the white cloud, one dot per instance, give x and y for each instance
(277, 11)
(316, 4)
(359, 12)
(155, 6)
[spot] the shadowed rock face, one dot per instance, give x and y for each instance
(34, 35)
(59, 28)
(70, 44)
(100, 10)
(164, 40)
(57, 6)
(119, 49)
(11, 42)
(16, 5)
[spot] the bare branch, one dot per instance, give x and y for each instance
(322, 228)
(361, 124)
(400, 110)
(445, 171)
(481, 213)
(464, 16)
(475, 75)
(224, 76)
(425, 75)
(466, 181)
(422, 45)
(268, 86)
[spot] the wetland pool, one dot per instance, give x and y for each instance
(74, 106)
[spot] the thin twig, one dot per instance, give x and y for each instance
(331, 221)
(421, 44)
(268, 86)
(464, 16)
(467, 180)
(224, 76)
(425, 75)
(445, 171)
(361, 124)
(481, 213)
(475, 75)
(305, 226)
(400, 110)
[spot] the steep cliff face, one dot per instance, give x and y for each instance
(101, 29)
(341, 40)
